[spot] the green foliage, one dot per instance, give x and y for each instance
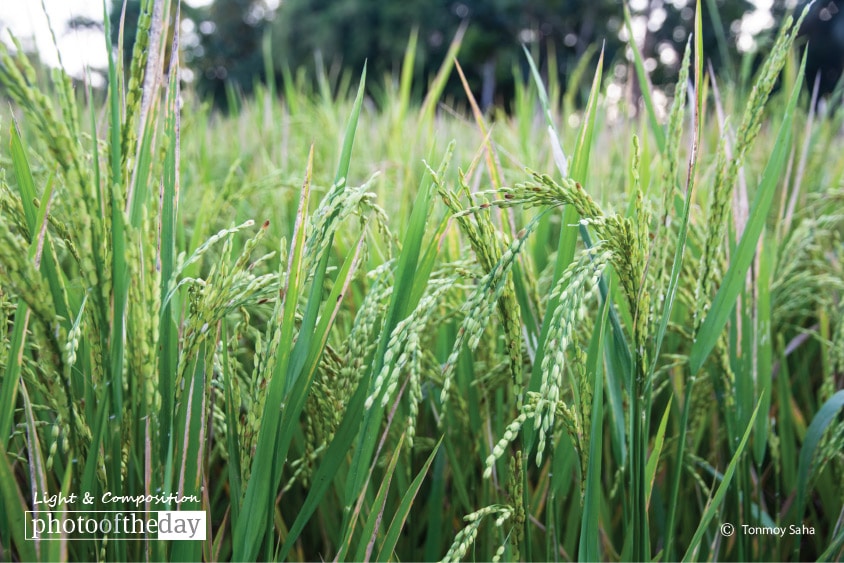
(377, 334)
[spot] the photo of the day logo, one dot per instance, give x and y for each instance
(174, 525)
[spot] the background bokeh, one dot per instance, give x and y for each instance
(226, 42)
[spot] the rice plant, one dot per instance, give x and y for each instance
(405, 334)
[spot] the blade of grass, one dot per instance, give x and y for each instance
(673, 284)
(302, 366)
(291, 95)
(653, 460)
(269, 65)
(434, 512)
(589, 548)
(332, 460)
(334, 456)
(351, 129)
(169, 202)
(373, 524)
(680, 250)
(825, 416)
(406, 80)
(437, 86)
(764, 349)
(583, 147)
(408, 270)
(619, 366)
(11, 375)
(37, 470)
(57, 550)
(119, 267)
(346, 542)
(836, 546)
(622, 357)
(722, 305)
(259, 492)
(36, 219)
(191, 420)
(13, 504)
(720, 39)
(714, 505)
(400, 516)
(573, 80)
(556, 148)
(115, 318)
(788, 428)
(489, 151)
(299, 392)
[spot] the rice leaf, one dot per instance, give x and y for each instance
(372, 527)
(13, 506)
(589, 548)
(653, 460)
(400, 516)
(260, 493)
(825, 416)
(715, 503)
(733, 283)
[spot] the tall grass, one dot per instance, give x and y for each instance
(419, 333)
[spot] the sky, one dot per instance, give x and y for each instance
(26, 19)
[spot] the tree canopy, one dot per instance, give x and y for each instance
(223, 40)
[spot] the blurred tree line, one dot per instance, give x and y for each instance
(223, 40)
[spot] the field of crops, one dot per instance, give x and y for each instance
(348, 328)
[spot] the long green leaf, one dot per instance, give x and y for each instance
(715, 504)
(400, 516)
(37, 467)
(373, 524)
(583, 147)
(825, 416)
(13, 504)
(653, 460)
(556, 147)
(673, 284)
(722, 305)
(332, 460)
(168, 333)
(763, 340)
(191, 420)
(435, 89)
(589, 549)
(40, 251)
(401, 304)
(260, 492)
(836, 546)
